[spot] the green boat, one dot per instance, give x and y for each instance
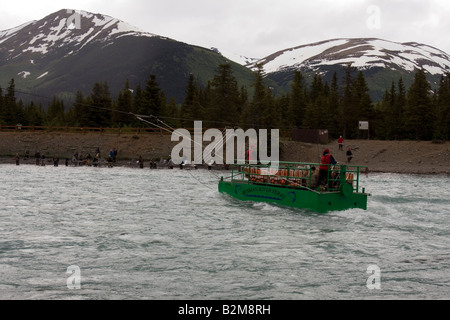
(297, 185)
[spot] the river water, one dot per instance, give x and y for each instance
(168, 234)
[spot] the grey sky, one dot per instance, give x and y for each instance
(257, 28)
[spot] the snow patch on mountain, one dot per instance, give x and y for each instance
(295, 57)
(6, 34)
(42, 75)
(235, 57)
(361, 53)
(24, 74)
(69, 28)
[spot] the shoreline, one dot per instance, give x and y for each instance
(402, 157)
(132, 164)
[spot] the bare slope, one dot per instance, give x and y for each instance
(379, 156)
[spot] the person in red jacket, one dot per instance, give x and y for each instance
(251, 154)
(326, 162)
(341, 143)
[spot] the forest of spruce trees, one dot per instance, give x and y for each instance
(415, 113)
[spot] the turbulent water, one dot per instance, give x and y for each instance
(169, 234)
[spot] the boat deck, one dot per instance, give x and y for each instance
(298, 185)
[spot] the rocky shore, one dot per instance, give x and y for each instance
(412, 157)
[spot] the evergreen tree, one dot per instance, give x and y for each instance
(191, 109)
(123, 107)
(19, 112)
(10, 111)
(297, 107)
(399, 107)
(261, 111)
(225, 95)
(259, 107)
(317, 116)
(317, 88)
(162, 98)
(270, 119)
(363, 97)
(138, 102)
(55, 114)
(151, 104)
(356, 104)
(333, 108)
(282, 108)
(442, 125)
(419, 114)
(364, 108)
(389, 116)
(100, 106)
(206, 99)
(382, 110)
(34, 116)
(243, 105)
(69, 117)
(348, 112)
(171, 114)
(80, 111)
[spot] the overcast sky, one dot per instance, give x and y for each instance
(257, 28)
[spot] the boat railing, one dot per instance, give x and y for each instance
(299, 175)
(339, 174)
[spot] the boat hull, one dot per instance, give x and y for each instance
(321, 202)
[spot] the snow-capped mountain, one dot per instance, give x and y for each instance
(360, 53)
(381, 61)
(69, 51)
(68, 29)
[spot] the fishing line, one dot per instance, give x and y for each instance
(140, 117)
(252, 125)
(167, 127)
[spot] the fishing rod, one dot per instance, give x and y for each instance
(143, 118)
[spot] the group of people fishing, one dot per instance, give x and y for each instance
(77, 159)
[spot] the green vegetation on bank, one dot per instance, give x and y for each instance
(416, 113)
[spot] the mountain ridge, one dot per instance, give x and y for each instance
(70, 50)
(381, 61)
(82, 25)
(343, 51)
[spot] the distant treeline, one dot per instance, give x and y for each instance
(417, 113)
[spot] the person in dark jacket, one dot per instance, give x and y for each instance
(349, 155)
(37, 156)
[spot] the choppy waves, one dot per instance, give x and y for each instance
(142, 234)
